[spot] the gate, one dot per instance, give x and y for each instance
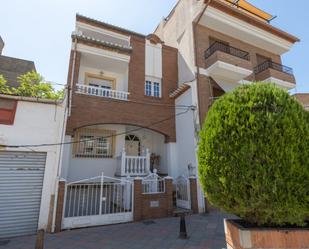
(183, 199)
(98, 201)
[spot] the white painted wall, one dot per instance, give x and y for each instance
(121, 78)
(102, 34)
(74, 169)
(185, 143)
(178, 32)
(38, 123)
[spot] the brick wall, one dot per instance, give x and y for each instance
(151, 206)
(193, 194)
(90, 110)
(60, 205)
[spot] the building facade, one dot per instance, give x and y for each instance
(137, 102)
(29, 174)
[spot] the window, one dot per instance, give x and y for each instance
(95, 143)
(156, 89)
(148, 88)
(7, 111)
(153, 88)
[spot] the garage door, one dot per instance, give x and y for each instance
(21, 181)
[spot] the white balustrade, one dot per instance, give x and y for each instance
(101, 92)
(134, 165)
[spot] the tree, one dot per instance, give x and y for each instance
(32, 84)
(4, 88)
(254, 155)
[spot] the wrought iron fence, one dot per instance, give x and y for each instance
(273, 65)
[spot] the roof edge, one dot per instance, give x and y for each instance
(32, 99)
(253, 21)
(104, 24)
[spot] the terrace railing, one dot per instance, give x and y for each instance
(276, 66)
(222, 47)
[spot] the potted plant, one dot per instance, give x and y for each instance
(254, 163)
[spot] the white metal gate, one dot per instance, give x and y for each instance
(97, 201)
(21, 182)
(183, 198)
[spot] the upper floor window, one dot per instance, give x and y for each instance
(153, 88)
(156, 89)
(148, 88)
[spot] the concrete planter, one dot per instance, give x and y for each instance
(238, 237)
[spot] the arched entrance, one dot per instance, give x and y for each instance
(132, 145)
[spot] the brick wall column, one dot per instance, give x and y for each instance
(137, 199)
(193, 194)
(169, 194)
(60, 203)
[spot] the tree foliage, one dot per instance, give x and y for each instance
(31, 84)
(254, 155)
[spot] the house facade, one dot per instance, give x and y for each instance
(137, 102)
(130, 121)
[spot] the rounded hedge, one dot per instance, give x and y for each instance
(254, 155)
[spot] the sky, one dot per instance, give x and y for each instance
(40, 30)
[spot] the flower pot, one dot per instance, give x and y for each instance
(239, 236)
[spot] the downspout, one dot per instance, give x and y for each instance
(60, 159)
(195, 48)
(72, 78)
(197, 80)
(67, 113)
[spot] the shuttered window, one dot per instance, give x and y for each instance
(7, 111)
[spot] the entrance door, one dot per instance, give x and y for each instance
(132, 145)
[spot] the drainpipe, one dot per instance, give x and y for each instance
(72, 78)
(198, 72)
(67, 113)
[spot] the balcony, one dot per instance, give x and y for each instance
(281, 75)
(101, 92)
(227, 65)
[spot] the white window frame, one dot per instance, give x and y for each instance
(153, 81)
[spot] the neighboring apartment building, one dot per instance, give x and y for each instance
(221, 45)
(11, 67)
(137, 102)
(303, 98)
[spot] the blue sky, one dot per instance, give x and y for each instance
(40, 30)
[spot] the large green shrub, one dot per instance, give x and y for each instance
(254, 155)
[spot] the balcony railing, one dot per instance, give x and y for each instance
(133, 165)
(276, 66)
(101, 92)
(219, 46)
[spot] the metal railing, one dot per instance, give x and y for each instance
(101, 92)
(153, 184)
(219, 46)
(98, 196)
(276, 66)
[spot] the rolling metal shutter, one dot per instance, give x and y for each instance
(21, 181)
